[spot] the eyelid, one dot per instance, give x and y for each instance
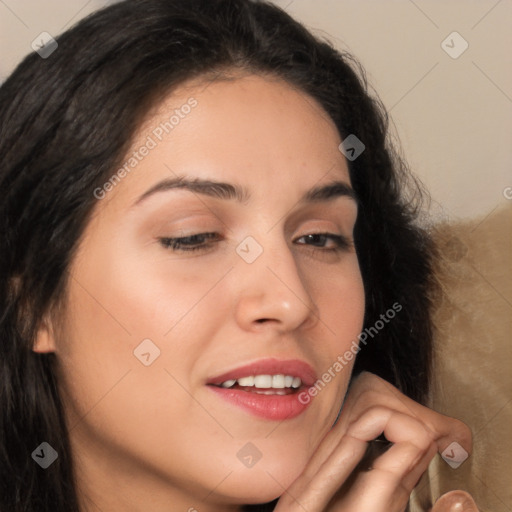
(182, 243)
(173, 243)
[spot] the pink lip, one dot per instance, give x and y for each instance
(272, 407)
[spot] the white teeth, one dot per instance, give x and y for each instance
(263, 381)
(229, 383)
(296, 382)
(278, 381)
(246, 381)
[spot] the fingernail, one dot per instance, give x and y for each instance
(455, 501)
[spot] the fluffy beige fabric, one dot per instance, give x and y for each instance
(473, 366)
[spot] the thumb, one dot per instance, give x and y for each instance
(455, 501)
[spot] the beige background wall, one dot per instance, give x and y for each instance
(453, 116)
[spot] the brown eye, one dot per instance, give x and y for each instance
(320, 240)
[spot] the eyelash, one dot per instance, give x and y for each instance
(186, 243)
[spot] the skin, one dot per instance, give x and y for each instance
(145, 437)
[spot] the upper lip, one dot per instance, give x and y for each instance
(271, 366)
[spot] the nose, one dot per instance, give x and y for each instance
(272, 293)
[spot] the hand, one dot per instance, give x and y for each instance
(332, 482)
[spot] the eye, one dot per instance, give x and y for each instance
(190, 243)
(320, 240)
(201, 241)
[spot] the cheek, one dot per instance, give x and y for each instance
(340, 299)
(115, 403)
(125, 311)
(123, 294)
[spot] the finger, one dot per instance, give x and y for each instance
(407, 462)
(388, 487)
(395, 473)
(407, 434)
(368, 390)
(455, 500)
(313, 490)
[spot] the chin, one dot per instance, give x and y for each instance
(253, 489)
(265, 481)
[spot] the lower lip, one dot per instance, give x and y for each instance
(270, 407)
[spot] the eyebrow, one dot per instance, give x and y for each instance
(228, 191)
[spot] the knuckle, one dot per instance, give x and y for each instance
(425, 441)
(371, 414)
(462, 429)
(375, 410)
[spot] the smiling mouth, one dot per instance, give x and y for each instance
(268, 388)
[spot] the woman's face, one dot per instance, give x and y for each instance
(151, 326)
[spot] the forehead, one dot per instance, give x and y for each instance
(251, 129)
